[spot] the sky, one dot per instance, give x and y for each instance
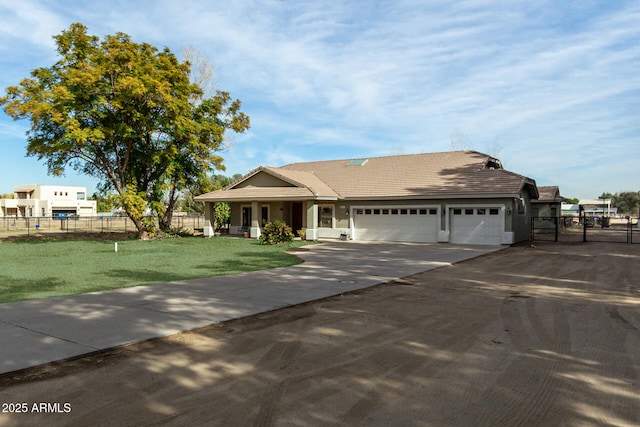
(552, 88)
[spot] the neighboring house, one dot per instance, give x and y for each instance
(47, 201)
(548, 203)
(570, 209)
(457, 197)
(598, 207)
(547, 208)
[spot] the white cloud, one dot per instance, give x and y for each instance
(378, 77)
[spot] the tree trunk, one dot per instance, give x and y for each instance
(164, 220)
(143, 233)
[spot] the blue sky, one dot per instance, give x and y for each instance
(550, 87)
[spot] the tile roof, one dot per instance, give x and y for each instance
(433, 175)
(248, 194)
(549, 193)
(454, 173)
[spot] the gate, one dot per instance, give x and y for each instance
(585, 229)
(545, 228)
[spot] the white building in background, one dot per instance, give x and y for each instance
(48, 201)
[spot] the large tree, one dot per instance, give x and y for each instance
(125, 113)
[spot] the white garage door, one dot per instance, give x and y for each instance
(476, 226)
(396, 224)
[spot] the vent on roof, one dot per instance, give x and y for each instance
(357, 162)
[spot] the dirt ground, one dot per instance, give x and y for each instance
(546, 335)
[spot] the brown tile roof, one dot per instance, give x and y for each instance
(450, 174)
(433, 175)
(549, 193)
(248, 194)
(303, 179)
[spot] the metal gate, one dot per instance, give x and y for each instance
(585, 229)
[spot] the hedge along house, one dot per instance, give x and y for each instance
(456, 197)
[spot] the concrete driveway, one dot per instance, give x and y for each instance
(42, 331)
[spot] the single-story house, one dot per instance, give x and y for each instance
(456, 197)
(548, 203)
(547, 208)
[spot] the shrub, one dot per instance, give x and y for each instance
(276, 232)
(302, 234)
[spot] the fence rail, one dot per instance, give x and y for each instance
(84, 224)
(587, 229)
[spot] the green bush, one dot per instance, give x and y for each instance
(276, 232)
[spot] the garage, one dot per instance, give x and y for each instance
(401, 224)
(477, 225)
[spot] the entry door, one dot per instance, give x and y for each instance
(246, 216)
(296, 216)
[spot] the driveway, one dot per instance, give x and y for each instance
(42, 331)
(527, 336)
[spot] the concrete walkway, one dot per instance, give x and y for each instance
(42, 331)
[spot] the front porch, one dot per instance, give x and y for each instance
(316, 220)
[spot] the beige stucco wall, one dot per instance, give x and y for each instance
(518, 224)
(263, 180)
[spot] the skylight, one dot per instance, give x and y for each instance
(357, 162)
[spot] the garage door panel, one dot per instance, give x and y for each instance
(477, 225)
(397, 227)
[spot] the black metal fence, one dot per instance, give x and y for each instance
(585, 229)
(20, 226)
(545, 228)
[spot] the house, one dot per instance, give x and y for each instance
(456, 197)
(598, 207)
(546, 210)
(548, 203)
(48, 201)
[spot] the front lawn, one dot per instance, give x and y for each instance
(36, 269)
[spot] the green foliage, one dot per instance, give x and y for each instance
(276, 232)
(573, 201)
(627, 202)
(127, 114)
(221, 214)
(302, 234)
(105, 203)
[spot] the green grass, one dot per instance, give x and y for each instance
(35, 269)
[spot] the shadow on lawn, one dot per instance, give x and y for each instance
(32, 289)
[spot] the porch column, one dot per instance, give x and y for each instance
(208, 219)
(312, 221)
(255, 221)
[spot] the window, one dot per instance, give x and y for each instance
(494, 211)
(423, 211)
(80, 195)
(367, 211)
(376, 211)
(265, 215)
(468, 211)
(457, 211)
(359, 211)
(413, 211)
(385, 211)
(325, 216)
(433, 211)
(394, 211)
(482, 211)
(403, 211)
